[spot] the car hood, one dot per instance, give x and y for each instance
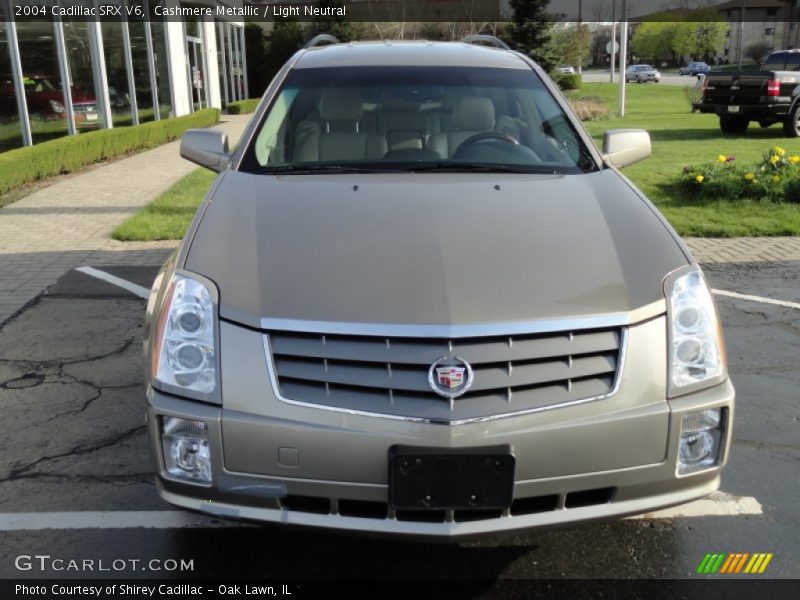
(439, 249)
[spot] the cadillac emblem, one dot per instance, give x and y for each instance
(450, 377)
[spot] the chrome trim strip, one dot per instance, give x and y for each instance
(623, 349)
(467, 331)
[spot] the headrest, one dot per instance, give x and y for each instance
(341, 105)
(473, 113)
(397, 104)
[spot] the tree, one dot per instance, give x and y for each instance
(530, 31)
(654, 40)
(571, 45)
(255, 47)
(335, 25)
(758, 51)
(699, 35)
(286, 39)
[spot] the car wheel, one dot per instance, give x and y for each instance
(733, 125)
(791, 126)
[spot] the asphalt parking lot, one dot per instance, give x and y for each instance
(74, 440)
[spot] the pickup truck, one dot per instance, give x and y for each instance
(767, 96)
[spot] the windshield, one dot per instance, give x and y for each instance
(416, 119)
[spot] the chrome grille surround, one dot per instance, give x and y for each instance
(386, 376)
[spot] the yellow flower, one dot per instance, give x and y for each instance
(749, 177)
(699, 179)
(793, 160)
(776, 178)
(774, 159)
(722, 158)
(778, 150)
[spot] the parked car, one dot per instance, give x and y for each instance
(45, 99)
(566, 69)
(419, 301)
(767, 96)
(694, 69)
(642, 74)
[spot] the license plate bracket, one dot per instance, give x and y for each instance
(423, 478)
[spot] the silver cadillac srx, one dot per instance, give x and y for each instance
(418, 301)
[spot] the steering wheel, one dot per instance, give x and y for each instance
(486, 135)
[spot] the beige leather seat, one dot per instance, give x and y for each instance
(471, 115)
(338, 137)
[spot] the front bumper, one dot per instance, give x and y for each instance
(578, 464)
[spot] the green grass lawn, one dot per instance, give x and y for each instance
(679, 138)
(168, 216)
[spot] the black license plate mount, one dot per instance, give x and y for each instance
(424, 478)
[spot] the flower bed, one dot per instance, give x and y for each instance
(775, 178)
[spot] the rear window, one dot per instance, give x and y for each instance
(380, 119)
(775, 62)
(793, 61)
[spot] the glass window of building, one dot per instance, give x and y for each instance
(161, 60)
(195, 46)
(222, 63)
(44, 90)
(85, 91)
(119, 87)
(141, 70)
(10, 127)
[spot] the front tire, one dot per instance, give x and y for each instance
(733, 125)
(791, 126)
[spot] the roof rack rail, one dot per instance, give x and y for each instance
(322, 38)
(486, 39)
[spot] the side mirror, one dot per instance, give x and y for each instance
(623, 147)
(206, 147)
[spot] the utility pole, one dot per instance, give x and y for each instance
(580, 36)
(613, 36)
(623, 57)
(741, 34)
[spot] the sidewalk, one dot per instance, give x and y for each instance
(68, 224)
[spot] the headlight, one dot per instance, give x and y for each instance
(186, 451)
(696, 352)
(184, 358)
(56, 106)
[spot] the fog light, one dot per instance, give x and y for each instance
(186, 450)
(701, 434)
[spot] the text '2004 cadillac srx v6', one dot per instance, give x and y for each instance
(418, 301)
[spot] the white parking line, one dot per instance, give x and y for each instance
(120, 519)
(717, 504)
(761, 299)
(138, 290)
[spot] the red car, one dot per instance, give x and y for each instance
(45, 99)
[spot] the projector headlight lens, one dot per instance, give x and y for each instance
(701, 436)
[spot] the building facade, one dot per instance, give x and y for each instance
(63, 77)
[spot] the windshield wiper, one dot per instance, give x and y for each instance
(305, 169)
(450, 167)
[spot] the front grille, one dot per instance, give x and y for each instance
(390, 375)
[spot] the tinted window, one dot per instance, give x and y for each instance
(775, 62)
(793, 61)
(408, 118)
